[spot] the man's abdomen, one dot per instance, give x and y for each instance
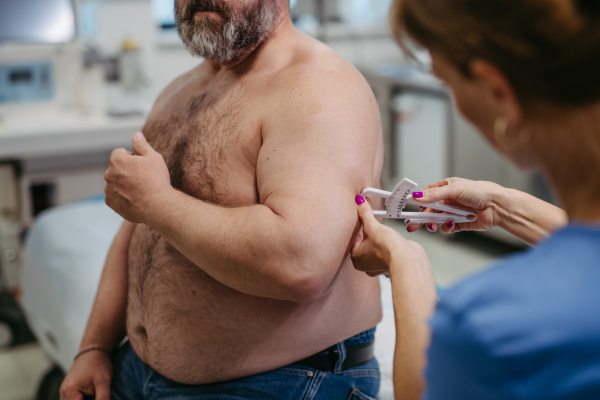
(192, 329)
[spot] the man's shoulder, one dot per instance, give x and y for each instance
(317, 66)
(319, 85)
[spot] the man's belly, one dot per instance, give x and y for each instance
(193, 329)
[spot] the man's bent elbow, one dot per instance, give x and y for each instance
(306, 286)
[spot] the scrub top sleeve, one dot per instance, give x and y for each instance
(459, 364)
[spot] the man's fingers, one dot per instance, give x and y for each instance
(102, 390)
(119, 152)
(71, 394)
(141, 145)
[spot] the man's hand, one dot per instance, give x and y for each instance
(90, 375)
(132, 180)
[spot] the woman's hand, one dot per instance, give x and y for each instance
(376, 245)
(480, 197)
(525, 216)
(380, 249)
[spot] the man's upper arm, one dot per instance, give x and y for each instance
(320, 140)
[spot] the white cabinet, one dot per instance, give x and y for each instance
(472, 157)
(421, 137)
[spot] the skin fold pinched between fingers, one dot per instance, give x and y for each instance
(372, 255)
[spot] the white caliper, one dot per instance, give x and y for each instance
(396, 200)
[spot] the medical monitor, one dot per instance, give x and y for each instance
(38, 21)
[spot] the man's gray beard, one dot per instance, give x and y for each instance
(239, 35)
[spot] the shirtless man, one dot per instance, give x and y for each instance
(234, 262)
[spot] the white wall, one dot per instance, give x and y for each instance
(120, 19)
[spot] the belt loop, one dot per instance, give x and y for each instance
(341, 349)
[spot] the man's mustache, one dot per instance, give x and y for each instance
(205, 5)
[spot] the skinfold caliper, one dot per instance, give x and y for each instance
(396, 200)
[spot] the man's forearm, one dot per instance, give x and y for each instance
(106, 325)
(527, 217)
(249, 248)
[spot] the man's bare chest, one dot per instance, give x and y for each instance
(210, 143)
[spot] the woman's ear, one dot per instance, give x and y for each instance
(498, 90)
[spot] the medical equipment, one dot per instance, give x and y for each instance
(39, 64)
(397, 200)
(39, 21)
(40, 79)
(26, 82)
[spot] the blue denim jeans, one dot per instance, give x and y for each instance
(134, 380)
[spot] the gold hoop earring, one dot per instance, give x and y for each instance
(500, 127)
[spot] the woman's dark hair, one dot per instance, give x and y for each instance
(548, 49)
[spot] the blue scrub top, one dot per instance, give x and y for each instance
(528, 328)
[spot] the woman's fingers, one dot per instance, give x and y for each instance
(431, 227)
(413, 227)
(437, 194)
(441, 183)
(365, 213)
(359, 238)
(448, 227)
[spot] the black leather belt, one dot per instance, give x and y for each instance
(326, 359)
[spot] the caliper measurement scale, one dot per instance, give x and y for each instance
(396, 200)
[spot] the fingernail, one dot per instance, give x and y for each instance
(408, 230)
(138, 136)
(417, 195)
(430, 227)
(359, 199)
(421, 207)
(450, 224)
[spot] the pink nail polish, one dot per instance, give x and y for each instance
(359, 199)
(417, 195)
(450, 224)
(430, 227)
